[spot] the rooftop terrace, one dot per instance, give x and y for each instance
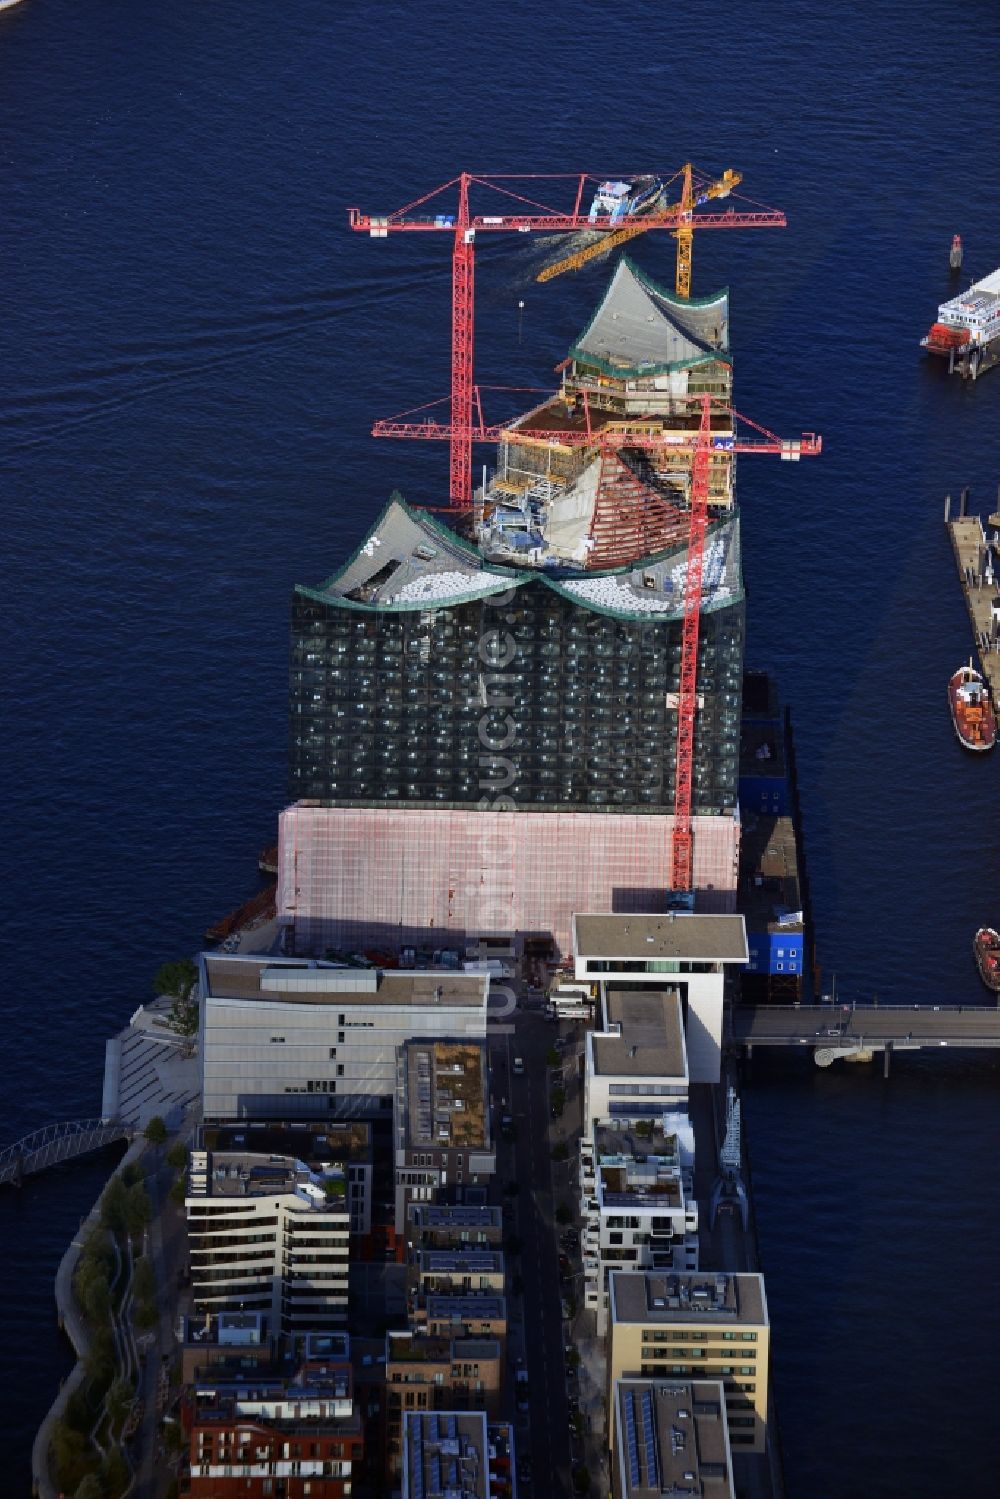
(446, 1095)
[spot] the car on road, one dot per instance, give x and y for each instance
(521, 1388)
(524, 1470)
(565, 1309)
(518, 1066)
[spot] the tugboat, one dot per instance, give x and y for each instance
(971, 710)
(986, 946)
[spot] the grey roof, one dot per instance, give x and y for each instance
(651, 1043)
(241, 978)
(656, 1297)
(679, 935)
(408, 560)
(641, 327)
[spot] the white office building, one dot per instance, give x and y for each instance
(687, 952)
(282, 1038)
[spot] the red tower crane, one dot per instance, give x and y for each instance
(523, 215)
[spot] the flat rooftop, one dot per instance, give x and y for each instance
(462, 1215)
(770, 894)
(672, 1438)
(678, 935)
(313, 1142)
(455, 1261)
(433, 1348)
(651, 1041)
(447, 1097)
(302, 981)
(474, 1306)
(245, 1175)
(648, 1297)
(445, 1452)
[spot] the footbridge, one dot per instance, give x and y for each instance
(857, 1032)
(57, 1143)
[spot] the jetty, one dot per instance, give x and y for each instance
(977, 554)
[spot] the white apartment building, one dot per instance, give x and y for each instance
(293, 1037)
(638, 1202)
(687, 952)
(636, 1066)
(268, 1234)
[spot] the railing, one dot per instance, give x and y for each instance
(57, 1143)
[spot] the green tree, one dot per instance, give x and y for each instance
(71, 1459)
(177, 1156)
(113, 1205)
(563, 1215)
(145, 1316)
(581, 1480)
(156, 1131)
(114, 1472)
(560, 1152)
(133, 1173)
(178, 1191)
(89, 1487)
(138, 1210)
(173, 1436)
(553, 1058)
(176, 980)
(117, 1402)
(99, 1365)
(558, 1099)
(144, 1280)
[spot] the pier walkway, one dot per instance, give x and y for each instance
(979, 572)
(857, 1032)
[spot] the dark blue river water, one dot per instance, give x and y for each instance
(192, 350)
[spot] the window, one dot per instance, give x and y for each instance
(340, 1037)
(333, 1052)
(340, 1069)
(277, 1040)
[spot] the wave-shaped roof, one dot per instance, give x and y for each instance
(641, 328)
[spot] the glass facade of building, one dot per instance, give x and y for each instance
(533, 693)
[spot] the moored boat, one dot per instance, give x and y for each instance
(971, 709)
(616, 199)
(986, 945)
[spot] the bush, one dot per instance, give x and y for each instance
(177, 1156)
(114, 1473)
(156, 1131)
(145, 1316)
(113, 1205)
(144, 1280)
(71, 1456)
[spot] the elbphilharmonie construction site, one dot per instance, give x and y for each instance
(529, 704)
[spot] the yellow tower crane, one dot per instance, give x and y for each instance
(681, 213)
